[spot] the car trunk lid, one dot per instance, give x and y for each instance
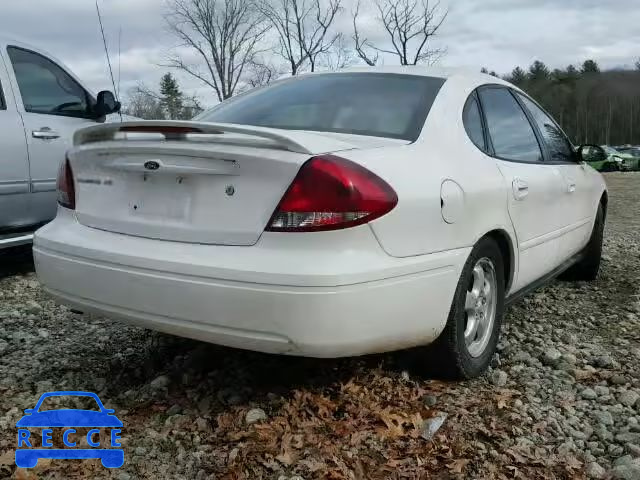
(191, 182)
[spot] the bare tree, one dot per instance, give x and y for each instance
(339, 55)
(303, 29)
(261, 72)
(409, 25)
(362, 43)
(143, 103)
(224, 35)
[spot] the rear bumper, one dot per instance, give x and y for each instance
(324, 301)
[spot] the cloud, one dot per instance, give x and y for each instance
(505, 33)
(498, 34)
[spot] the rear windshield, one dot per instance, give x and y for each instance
(376, 104)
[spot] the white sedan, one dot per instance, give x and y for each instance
(328, 215)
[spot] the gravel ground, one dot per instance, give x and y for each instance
(561, 401)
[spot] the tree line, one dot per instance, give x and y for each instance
(592, 106)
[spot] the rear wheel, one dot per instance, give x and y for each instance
(587, 269)
(468, 342)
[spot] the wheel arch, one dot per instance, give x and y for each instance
(604, 201)
(502, 238)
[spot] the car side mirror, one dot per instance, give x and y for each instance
(28, 411)
(591, 153)
(106, 104)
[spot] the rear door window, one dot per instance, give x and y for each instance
(376, 104)
(511, 133)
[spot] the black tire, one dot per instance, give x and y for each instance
(449, 352)
(610, 167)
(587, 269)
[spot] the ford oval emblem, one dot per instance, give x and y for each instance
(152, 165)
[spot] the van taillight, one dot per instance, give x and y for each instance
(66, 189)
(332, 193)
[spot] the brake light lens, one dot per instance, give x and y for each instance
(332, 193)
(65, 187)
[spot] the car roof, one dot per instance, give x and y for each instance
(459, 73)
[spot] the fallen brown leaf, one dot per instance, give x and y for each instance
(457, 466)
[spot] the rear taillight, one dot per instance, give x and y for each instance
(331, 193)
(66, 190)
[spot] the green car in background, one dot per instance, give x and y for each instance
(630, 157)
(615, 161)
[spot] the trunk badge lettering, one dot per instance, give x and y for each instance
(230, 190)
(95, 181)
(152, 165)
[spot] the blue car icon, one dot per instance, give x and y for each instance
(68, 419)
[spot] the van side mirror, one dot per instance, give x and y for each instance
(106, 104)
(592, 153)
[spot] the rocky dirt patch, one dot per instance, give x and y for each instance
(562, 399)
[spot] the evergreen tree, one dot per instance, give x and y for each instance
(172, 100)
(572, 73)
(559, 75)
(518, 77)
(538, 71)
(590, 66)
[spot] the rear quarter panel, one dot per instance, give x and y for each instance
(417, 172)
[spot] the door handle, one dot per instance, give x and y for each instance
(520, 189)
(571, 186)
(45, 133)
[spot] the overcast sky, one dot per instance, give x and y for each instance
(498, 34)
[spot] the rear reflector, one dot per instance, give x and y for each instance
(331, 193)
(65, 187)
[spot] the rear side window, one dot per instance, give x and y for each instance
(557, 143)
(473, 122)
(376, 104)
(511, 133)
